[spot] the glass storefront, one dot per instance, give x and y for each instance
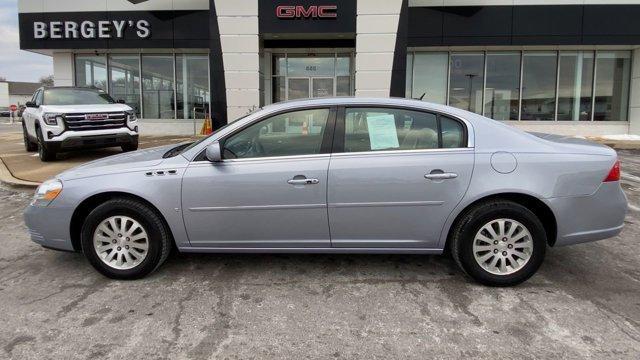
(304, 76)
(525, 85)
(502, 90)
(124, 75)
(91, 70)
(168, 86)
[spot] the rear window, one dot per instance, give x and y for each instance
(76, 97)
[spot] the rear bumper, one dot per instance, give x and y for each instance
(49, 226)
(589, 218)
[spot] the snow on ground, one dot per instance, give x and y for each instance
(627, 137)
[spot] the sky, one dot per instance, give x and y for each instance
(15, 64)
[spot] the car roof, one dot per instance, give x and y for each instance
(391, 101)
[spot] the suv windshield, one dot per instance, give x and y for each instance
(76, 96)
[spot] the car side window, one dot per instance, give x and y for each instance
(293, 133)
(39, 98)
(452, 133)
(375, 129)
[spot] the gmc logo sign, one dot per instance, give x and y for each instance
(310, 12)
(96, 116)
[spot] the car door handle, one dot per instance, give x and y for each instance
(441, 176)
(303, 181)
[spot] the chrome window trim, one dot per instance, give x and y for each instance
(266, 158)
(404, 152)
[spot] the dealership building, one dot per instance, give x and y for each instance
(563, 66)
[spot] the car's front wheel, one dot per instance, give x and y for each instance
(125, 239)
(132, 146)
(499, 243)
(44, 153)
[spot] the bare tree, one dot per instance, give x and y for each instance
(46, 80)
(2, 78)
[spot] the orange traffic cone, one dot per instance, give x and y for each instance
(207, 127)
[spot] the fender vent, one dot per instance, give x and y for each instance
(161, 173)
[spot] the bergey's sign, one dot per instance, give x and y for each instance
(102, 29)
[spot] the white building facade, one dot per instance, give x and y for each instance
(568, 67)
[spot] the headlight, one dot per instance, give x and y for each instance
(52, 119)
(131, 115)
(47, 192)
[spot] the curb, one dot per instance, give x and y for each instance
(7, 178)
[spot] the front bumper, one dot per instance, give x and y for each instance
(589, 218)
(91, 139)
(49, 226)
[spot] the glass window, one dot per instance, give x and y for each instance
(452, 133)
(157, 87)
(38, 98)
(319, 65)
(279, 64)
(124, 71)
(430, 77)
(91, 70)
(575, 85)
(409, 80)
(279, 89)
(294, 133)
(375, 129)
(192, 78)
(539, 86)
(613, 70)
(502, 92)
(466, 80)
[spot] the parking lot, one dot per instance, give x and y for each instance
(583, 303)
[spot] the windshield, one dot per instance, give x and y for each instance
(72, 96)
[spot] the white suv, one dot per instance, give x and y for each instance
(65, 118)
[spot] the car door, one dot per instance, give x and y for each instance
(395, 176)
(270, 190)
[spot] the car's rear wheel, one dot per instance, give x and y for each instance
(125, 239)
(44, 153)
(29, 145)
(499, 243)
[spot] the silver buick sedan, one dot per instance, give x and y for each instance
(346, 175)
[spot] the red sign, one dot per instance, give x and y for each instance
(13, 107)
(310, 12)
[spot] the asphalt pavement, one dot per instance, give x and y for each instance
(583, 303)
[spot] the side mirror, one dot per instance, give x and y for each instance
(120, 101)
(30, 104)
(214, 152)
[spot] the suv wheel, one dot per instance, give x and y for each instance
(499, 243)
(29, 145)
(44, 153)
(132, 146)
(125, 239)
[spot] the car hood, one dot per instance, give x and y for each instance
(85, 108)
(125, 162)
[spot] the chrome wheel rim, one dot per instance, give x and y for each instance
(121, 242)
(502, 246)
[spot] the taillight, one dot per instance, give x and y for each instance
(614, 173)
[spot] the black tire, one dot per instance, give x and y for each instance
(29, 145)
(464, 232)
(132, 146)
(44, 153)
(159, 244)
